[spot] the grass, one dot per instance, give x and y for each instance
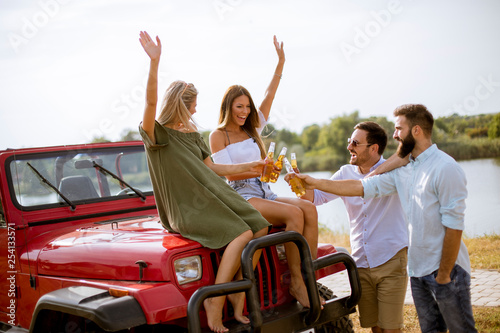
(487, 320)
(484, 253)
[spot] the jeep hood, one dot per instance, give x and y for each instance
(110, 251)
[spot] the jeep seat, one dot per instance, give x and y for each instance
(78, 188)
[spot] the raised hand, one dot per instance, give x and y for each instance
(153, 50)
(279, 49)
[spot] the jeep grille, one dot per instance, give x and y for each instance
(266, 276)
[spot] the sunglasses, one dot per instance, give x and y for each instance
(355, 143)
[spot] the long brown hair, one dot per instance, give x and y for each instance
(252, 122)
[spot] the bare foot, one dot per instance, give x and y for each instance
(323, 302)
(238, 303)
(299, 292)
(214, 315)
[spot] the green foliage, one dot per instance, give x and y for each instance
(456, 126)
(494, 127)
(323, 147)
(309, 136)
(99, 139)
(466, 149)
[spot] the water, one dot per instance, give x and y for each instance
(482, 215)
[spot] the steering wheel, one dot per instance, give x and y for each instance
(125, 191)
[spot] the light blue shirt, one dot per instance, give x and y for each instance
(432, 190)
(377, 226)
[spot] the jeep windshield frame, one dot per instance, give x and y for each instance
(78, 182)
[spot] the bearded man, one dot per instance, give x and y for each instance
(432, 191)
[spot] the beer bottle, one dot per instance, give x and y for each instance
(268, 168)
(278, 166)
(296, 183)
(294, 163)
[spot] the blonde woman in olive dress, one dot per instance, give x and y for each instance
(191, 197)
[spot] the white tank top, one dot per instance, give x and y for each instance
(243, 151)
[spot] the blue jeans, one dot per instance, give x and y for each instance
(444, 306)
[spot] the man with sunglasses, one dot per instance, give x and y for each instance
(378, 231)
(432, 190)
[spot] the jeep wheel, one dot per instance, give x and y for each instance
(343, 325)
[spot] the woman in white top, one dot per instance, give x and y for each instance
(237, 140)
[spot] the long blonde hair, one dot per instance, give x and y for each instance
(252, 122)
(176, 104)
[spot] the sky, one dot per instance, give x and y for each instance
(74, 70)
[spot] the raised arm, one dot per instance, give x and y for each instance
(265, 107)
(391, 163)
(153, 51)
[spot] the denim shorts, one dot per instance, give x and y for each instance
(444, 306)
(252, 188)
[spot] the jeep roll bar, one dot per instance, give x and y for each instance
(249, 285)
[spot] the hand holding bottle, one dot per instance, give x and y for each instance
(295, 182)
(268, 168)
(307, 181)
(256, 166)
(278, 166)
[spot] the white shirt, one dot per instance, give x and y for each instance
(432, 190)
(377, 226)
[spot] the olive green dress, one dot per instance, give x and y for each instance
(192, 199)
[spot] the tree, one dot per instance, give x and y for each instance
(99, 139)
(288, 137)
(310, 136)
(334, 135)
(494, 128)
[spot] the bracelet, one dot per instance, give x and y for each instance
(279, 75)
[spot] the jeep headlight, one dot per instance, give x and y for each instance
(188, 269)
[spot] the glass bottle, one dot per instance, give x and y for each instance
(294, 163)
(278, 166)
(296, 183)
(268, 168)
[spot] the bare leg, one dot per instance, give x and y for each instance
(238, 300)
(310, 222)
(310, 225)
(228, 267)
(292, 218)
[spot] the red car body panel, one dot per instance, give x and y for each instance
(98, 245)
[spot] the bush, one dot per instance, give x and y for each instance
(466, 149)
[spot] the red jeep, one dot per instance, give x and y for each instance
(83, 250)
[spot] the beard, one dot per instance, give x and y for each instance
(358, 159)
(406, 145)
